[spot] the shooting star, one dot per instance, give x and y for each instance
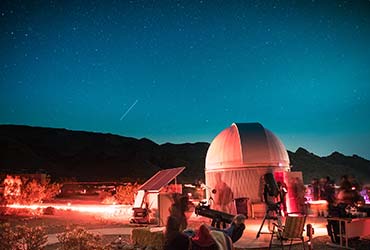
(128, 110)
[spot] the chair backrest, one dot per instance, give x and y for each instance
(294, 226)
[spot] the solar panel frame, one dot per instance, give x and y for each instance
(161, 179)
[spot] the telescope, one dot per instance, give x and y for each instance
(217, 217)
(271, 185)
(273, 209)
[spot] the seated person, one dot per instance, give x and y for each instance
(174, 239)
(236, 229)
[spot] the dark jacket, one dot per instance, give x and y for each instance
(179, 242)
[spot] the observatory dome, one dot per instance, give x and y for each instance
(246, 145)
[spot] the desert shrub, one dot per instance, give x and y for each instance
(12, 189)
(30, 238)
(120, 243)
(22, 237)
(49, 211)
(29, 191)
(34, 191)
(126, 194)
(3, 208)
(103, 195)
(79, 239)
(6, 236)
(143, 237)
(109, 200)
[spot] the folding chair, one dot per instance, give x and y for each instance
(292, 230)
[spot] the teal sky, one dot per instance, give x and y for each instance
(182, 71)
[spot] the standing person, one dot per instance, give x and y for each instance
(283, 190)
(329, 191)
(316, 189)
(223, 195)
(298, 189)
(348, 193)
(173, 238)
(178, 209)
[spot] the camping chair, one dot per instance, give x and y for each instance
(292, 230)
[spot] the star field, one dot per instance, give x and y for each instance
(301, 68)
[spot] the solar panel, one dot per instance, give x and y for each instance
(161, 179)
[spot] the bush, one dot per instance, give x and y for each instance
(104, 195)
(79, 239)
(109, 200)
(12, 189)
(30, 238)
(22, 237)
(6, 236)
(126, 194)
(120, 243)
(29, 191)
(37, 192)
(143, 237)
(3, 203)
(49, 211)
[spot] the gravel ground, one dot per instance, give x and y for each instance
(321, 243)
(318, 243)
(57, 224)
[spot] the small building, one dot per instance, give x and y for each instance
(237, 160)
(153, 199)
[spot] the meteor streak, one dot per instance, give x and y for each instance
(128, 110)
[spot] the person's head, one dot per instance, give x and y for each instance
(204, 229)
(203, 236)
(344, 178)
(239, 219)
(345, 184)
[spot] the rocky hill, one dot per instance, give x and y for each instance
(97, 156)
(93, 156)
(335, 165)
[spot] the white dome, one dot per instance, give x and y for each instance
(246, 145)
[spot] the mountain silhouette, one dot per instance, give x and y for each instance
(98, 156)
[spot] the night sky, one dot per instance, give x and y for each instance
(182, 71)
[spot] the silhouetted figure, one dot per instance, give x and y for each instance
(174, 239)
(298, 190)
(270, 190)
(223, 195)
(178, 209)
(348, 192)
(328, 193)
(283, 190)
(315, 189)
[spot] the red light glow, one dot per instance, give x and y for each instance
(122, 211)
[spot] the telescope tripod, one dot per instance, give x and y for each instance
(272, 213)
